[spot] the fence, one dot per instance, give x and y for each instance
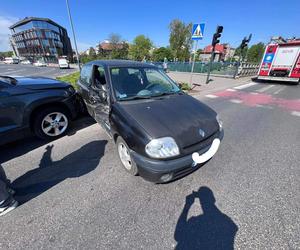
(226, 69)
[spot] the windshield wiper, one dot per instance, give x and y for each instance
(135, 97)
(166, 93)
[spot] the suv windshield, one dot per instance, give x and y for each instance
(140, 82)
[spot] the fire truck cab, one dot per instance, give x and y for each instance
(281, 62)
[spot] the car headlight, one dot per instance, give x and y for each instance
(220, 122)
(162, 148)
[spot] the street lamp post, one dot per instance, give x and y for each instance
(74, 38)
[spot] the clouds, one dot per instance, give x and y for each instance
(5, 22)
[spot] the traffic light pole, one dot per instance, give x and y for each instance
(215, 41)
(212, 57)
(193, 64)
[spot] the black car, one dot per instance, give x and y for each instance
(43, 106)
(160, 132)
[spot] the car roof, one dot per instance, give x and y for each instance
(121, 63)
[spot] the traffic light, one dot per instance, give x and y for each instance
(217, 35)
(245, 42)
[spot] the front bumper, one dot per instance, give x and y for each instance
(277, 78)
(153, 170)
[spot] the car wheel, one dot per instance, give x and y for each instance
(51, 123)
(125, 157)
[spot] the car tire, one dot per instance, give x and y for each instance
(51, 123)
(125, 158)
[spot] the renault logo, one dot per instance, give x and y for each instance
(201, 132)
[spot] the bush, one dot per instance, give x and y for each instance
(71, 78)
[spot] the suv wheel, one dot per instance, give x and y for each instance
(125, 157)
(51, 123)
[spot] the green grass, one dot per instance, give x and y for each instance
(71, 78)
(184, 86)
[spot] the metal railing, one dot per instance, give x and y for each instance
(226, 69)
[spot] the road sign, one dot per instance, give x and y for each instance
(197, 31)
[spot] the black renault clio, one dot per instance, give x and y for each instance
(160, 132)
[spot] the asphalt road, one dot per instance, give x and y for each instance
(30, 70)
(76, 195)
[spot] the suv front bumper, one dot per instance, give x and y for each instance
(155, 170)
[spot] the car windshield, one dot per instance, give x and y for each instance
(141, 82)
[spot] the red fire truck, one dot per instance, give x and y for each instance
(281, 62)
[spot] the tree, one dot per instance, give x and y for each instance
(161, 53)
(180, 39)
(6, 54)
(255, 53)
(140, 48)
(119, 48)
(92, 53)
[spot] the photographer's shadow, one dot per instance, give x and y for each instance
(210, 230)
(50, 173)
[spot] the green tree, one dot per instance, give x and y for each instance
(92, 53)
(255, 53)
(6, 54)
(238, 52)
(180, 39)
(119, 47)
(161, 53)
(140, 48)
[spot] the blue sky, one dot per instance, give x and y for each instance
(95, 20)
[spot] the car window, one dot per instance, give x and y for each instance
(86, 74)
(99, 76)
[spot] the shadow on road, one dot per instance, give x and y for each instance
(210, 230)
(49, 173)
(23, 146)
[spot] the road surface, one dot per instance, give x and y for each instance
(30, 70)
(76, 195)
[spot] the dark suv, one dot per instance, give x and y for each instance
(35, 104)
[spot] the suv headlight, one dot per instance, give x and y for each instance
(220, 122)
(162, 148)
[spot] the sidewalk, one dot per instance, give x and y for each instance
(217, 83)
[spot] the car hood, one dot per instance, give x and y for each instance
(37, 83)
(178, 116)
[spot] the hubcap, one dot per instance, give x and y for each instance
(124, 156)
(54, 124)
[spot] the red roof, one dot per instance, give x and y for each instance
(219, 48)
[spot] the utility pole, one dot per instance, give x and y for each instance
(74, 38)
(214, 42)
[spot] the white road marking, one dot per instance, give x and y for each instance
(246, 85)
(279, 90)
(263, 106)
(295, 113)
(231, 90)
(212, 96)
(253, 93)
(235, 101)
(265, 88)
